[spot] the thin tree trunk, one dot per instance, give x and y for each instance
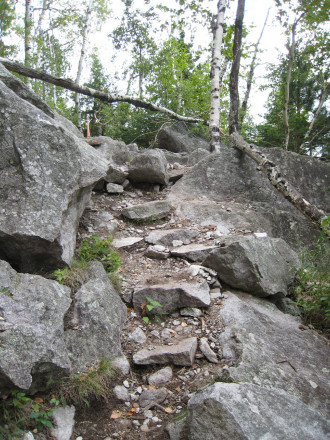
(27, 36)
(214, 125)
(88, 91)
(251, 75)
(323, 97)
(291, 53)
(81, 60)
(278, 181)
(233, 83)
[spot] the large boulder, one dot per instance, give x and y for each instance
(230, 411)
(98, 317)
(262, 266)
(266, 347)
(227, 190)
(175, 138)
(32, 348)
(149, 167)
(46, 178)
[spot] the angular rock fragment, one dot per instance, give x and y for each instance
(166, 237)
(114, 188)
(126, 242)
(157, 252)
(161, 377)
(173, 296)
(207, 351)
(262, 266)
(229, 411)
(193, 252)
(149, 166)
(147, 211)
(182, 353)
(152, 396)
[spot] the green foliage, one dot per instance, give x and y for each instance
(96, 248)
(6, 291)
(149, 308)
(20, 413)
(92, 385)
(312, 286)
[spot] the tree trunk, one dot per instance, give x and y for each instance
(214, 129)
(27, 36)
(278, 181)
(81, 60)
(88, 91)
(291, 49)
(251, 75)
(233, 83)
(324, 94)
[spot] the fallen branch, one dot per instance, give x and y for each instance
(278, 181)
(88, 91)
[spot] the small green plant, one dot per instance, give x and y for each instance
(148, 307)
(21, 413)
(312, 286)
(93, 384)
(96, 248)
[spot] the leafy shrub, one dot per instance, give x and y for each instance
(312, 286)
(95, 248)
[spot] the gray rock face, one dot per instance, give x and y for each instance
(115, 152)
(99, 315)
(260, 266)
(166, 237)
(229, 411)
(196, 156)
(64, 422)
(202, 194)
(46, 178)
(32, 348)
(173, 296)
(271, 351)
(116, 174)
(149, 396)
(114, 188)
(149, 166)
(148, 211)
(193, 252)
(175, 138)
(182, 353)
(161, 377)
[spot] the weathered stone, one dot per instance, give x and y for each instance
(64, 423)
(114, 188)
(175, 138)
(121, 363)
(230, 411)
(197, 156)
(191, 311)
(32, 349)
(202, 194)
(175, 175)
(46, 178)
(148, 211)
(193, 252)
(181, 158)
(116, 152)
(121, 393)
(149, 166)
(173, 296)
(161, 377)
(182, 353)
(271, 350)
(138, 336)
(126, 242)
(166, 236)
(149, 396)
(261, 266)
(153, 252)
(207, 351)
(116, 174)
(98, 315)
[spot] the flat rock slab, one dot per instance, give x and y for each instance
(270, 350)
(182, 353)
(261, 266)
(173, 296)
(167, 236)
(193, 252)
(230, 411)
(148, 211)
(122, 243)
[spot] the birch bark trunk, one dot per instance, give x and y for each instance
(233, 83)
(214, 129)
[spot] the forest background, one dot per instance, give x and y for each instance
(160, 51)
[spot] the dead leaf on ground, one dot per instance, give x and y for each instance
(116, 414)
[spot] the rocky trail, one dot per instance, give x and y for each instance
(151, 396)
